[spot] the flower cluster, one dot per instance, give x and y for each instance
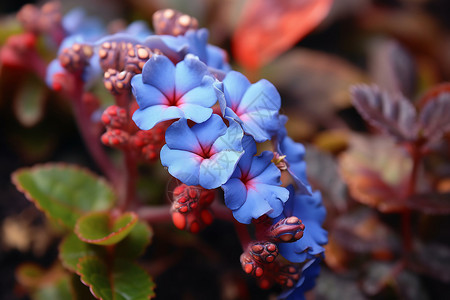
(217, 118)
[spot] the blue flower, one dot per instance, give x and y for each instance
(196, 42)
(217, 58)
(90, 73)
(139, 30)
(75, 22)
(205, 154)
(295, 154)
(254, 106)
(310, 272)
(254, 188)
(310, 210)
(165, 91)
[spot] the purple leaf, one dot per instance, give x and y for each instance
(392, 114)
(393, 68)
(431, 259)
(434, 118)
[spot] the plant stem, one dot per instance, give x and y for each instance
(130, 159)
(129, 194)
(155, 214)
(243, 234)
(416, 155)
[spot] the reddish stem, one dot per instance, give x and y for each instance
(130, 162)
(416, 155)
(243, 234)
(38, 65)
(155, 214)
(130, 159)
(221, 211)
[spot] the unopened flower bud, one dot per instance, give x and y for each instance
(172, 22)
(287, 230)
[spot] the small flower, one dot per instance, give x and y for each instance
(196, 42)
(205, 154)
(312, 213)
(254, 188)
(76, 22)
(294, 154)
(165, 91)
(90, 71)
(254, 106)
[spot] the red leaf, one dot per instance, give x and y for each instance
(376, 172)
(270, 27)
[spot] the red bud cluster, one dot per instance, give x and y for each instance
(190, 207)
(257, 256)
(173, 22)
(16, 50)
(45, 19)
(122, 133)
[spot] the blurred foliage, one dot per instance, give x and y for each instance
(361, 174)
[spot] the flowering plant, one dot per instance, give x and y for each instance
(176, 100)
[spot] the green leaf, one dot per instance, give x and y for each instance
(120, 281)
(64, 192)
(103, 229)
(134, 244)
(72, 249)
(29, 102)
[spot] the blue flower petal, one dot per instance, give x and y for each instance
(261, 95)
(309, 273)
(180, 137)
(217, 58)
(312, 213)
(254, 207)
(231, 139)
(204, 94)
(235, 193)
(228, 112)
(263, 164)
(235, 86)
(148, 117)
(182, 165)
(295, 152)
(146, 95)
(169, 45)
(197, 40)
(207, 137)
(249, 146)
(139, 30)
(216, 170)
(276, 196)
(195, 112)
(159, 72)
(189, 74)
(260, 124)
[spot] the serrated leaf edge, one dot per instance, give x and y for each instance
(97, 241)
(82, 277)
(61, 166)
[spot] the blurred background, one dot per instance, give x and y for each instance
(320, 57)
